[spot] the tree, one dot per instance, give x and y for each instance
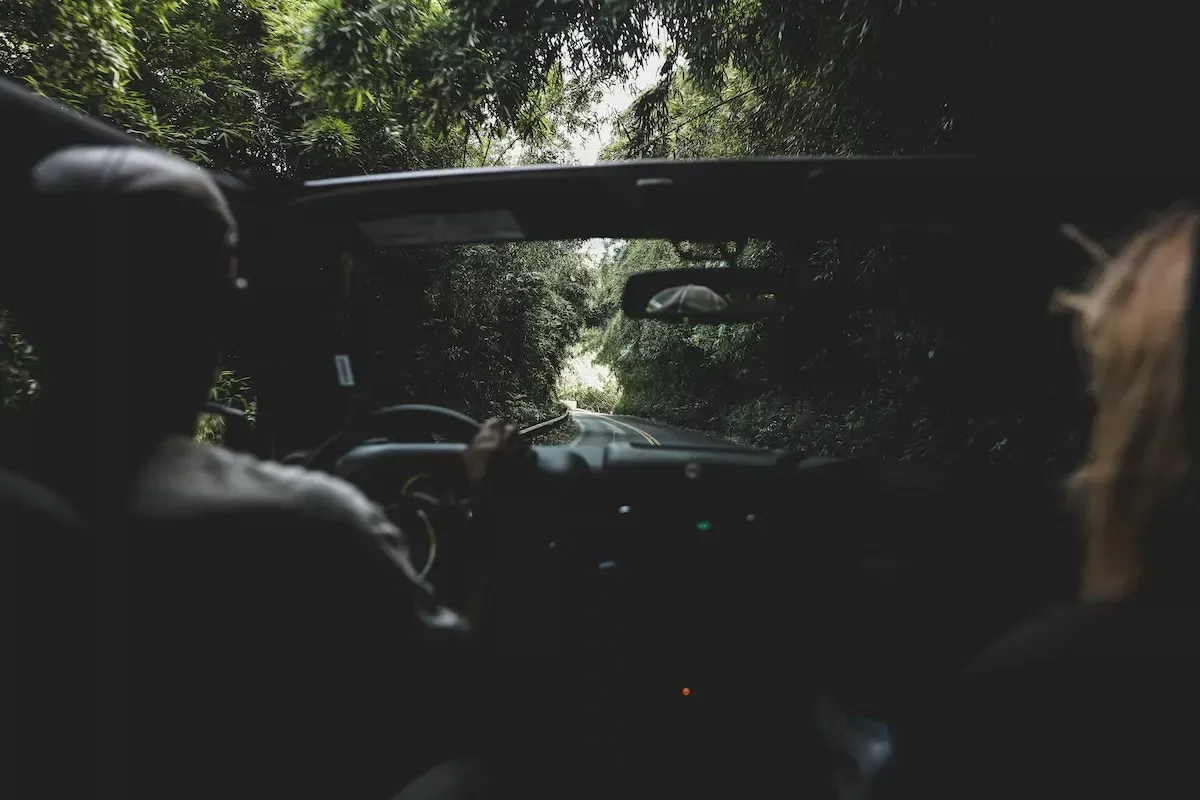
(311, 88)
(232, 86)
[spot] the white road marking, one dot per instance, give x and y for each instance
(612, 423)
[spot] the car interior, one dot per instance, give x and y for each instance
(688, 616)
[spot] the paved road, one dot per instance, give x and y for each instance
(606, 428)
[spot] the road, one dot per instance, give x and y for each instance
(607, 428)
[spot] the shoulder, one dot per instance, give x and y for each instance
(1053, 641)
(183, 473)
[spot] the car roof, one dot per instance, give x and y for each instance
(790, 197)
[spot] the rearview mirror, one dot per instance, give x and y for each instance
(702, 295)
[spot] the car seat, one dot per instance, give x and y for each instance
(50, 643)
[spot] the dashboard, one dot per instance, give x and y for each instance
(691, 611)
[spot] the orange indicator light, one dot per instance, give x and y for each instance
(686, 692)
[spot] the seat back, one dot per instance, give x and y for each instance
(269, 651)
(50, 643)
(1095, 700)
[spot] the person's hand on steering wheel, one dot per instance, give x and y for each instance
(497, 461)
(495, 437)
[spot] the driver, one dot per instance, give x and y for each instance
(131, 349)
(142, 320)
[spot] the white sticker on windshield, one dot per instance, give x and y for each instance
(344, 372)
(467, 226)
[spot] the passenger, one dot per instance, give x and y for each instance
(1101, 700)
(1134, 331)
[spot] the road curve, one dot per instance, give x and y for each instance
(596, 428)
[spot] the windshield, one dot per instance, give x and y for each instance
(873, 350)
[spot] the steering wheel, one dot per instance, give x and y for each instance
(396, 423)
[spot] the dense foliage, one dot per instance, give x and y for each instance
(312, 88)
(253, 85)
(18, 385)
(484, 328)
(591, 385)
(849, 388)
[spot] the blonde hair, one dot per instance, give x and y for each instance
(1131, 328)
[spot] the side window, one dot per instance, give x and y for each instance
(233, 391)
(18, 370)
(20, 385)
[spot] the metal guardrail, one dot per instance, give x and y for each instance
(546, 423)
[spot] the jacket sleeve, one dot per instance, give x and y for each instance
(439, 680)
(325, 636)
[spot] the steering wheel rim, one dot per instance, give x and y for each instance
(392, 422)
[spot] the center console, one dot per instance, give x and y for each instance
(699, 664)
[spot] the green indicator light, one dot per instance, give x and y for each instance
(703, 525)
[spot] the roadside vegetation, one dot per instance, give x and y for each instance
(313, 88)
